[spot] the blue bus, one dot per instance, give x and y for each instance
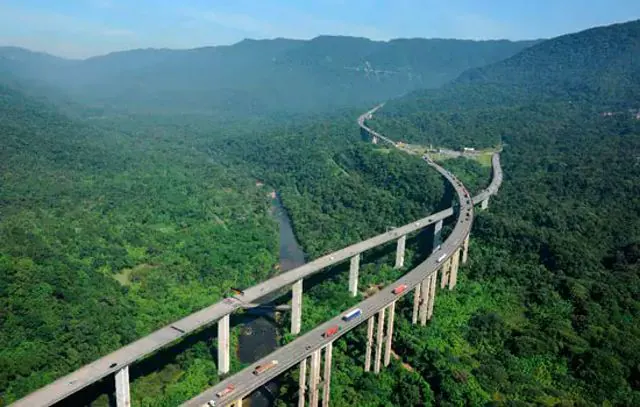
(352, 314)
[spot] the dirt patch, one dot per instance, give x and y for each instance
(406, 366)
(372, 289)
(126, 276)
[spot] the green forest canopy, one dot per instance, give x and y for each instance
(545, 313)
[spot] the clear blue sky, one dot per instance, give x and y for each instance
(81, 28)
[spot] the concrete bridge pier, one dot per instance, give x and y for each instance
(326, 386)
(379, 333)
(314, 378)
(237, 403)
(387, 349)
(446, 269)
(400, 251)
(374, 139)
(484, 204)
(432, 294)
(369, 346)
(223, 345)
(437, 234)
(416, 304)
(465, 250)
(353, 275)
(302, 382)
(453, 276)
(424, 300)
(296, 307)
(123, 397)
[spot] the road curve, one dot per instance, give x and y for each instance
(294, 352)
(127, 355)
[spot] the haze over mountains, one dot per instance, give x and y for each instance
(113, 226)
(257, 76)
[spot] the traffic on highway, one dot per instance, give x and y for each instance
(296, 351)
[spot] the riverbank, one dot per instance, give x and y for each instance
(259, 335)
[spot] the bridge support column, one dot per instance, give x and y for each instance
(437, 234)
(387, 349)
(314, 378)
(424, 300)
(453, 277)
(367, 354)
(376, 364)
(353, 275)
(237, 403)
(123, 398)
(400, 251)
(432, 294)
(465, 250)
(223, 345)
(446, 269)
(326, 386)
(374, 139)
(296, 307)
(416, 304)
(302, 382)
(484, 204)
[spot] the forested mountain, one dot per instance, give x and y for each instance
(597, 70)
(600, 62)
(113, 225)
(599, 67)
(258, 76)
(548, 311)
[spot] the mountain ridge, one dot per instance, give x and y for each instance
(258, 76)
(589, 66)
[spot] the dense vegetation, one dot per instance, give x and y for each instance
(547, 311)
(335, 191)
(107, 234)
(257, 76)
(596, 68)
(105, 237)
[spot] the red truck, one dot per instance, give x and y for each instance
(262, 368)
(399, 289)
(331, 331)
(226, 390)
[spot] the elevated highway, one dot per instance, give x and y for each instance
(303, 347)
(118, 361)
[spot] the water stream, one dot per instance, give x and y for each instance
(259, 334)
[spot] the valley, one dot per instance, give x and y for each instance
(129, 200)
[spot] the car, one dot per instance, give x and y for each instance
(399, 289)
(113, 365)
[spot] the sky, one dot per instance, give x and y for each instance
(83, 28)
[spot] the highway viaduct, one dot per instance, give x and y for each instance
(422, 280)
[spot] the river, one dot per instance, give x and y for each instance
(259, 335)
